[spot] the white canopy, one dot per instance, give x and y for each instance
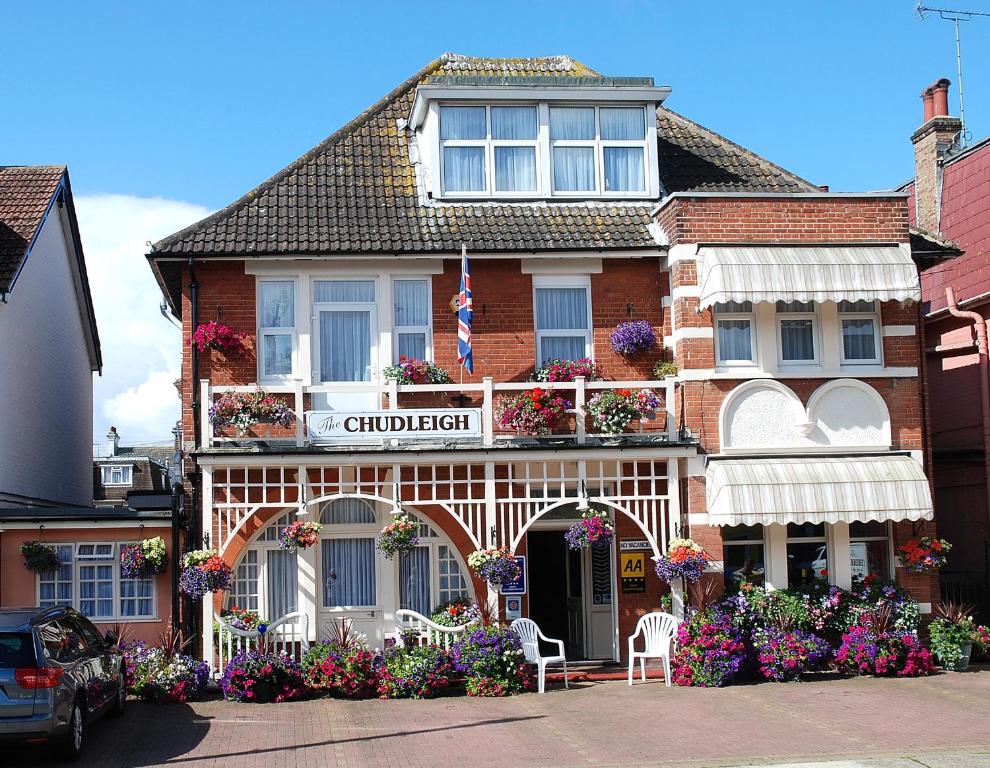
(826, 489)
(807, 273)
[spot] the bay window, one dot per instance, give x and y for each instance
(860, 332)
(276, 328)
(797, 327)
(90, 581)
(411, 319)
(734, 333)
(563, 314)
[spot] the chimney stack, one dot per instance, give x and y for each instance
(932, 142)
(113, 441)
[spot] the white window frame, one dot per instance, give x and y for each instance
(718, 316)
(127, 477)
(762, 541)
(563, 281)
(889, 539)
(79, 561)
(815, 337)
(352, 306)
(432, 539)
(279, 331)
(424, 329)
(874, 317)
(489, 143)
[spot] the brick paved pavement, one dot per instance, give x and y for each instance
(592, 724)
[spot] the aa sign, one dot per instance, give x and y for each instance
(632, 571)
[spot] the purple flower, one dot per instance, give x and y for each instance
(633, 337)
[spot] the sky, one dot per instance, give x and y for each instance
(165, 112)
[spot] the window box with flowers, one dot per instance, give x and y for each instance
(411, 370)
(612, 411)
(567, 370)
(222, 338)
(244, 410)
(533, 412)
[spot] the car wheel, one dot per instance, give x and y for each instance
(120, 700)
(72, 747)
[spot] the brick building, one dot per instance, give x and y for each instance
(790, 443)
(950, 198)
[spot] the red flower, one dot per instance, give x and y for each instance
(623, 392)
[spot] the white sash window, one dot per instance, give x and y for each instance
(276, 329)
(412, 319)
(734, 333)
(797, 325)
(563, 314)
(860, 332)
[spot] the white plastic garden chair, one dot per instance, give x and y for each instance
(658, 631)
(530, 635)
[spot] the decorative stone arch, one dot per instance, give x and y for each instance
(650, 537)
(850, 413)
(777, 419)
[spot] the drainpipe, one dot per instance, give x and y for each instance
(980, 326)
(193, 322)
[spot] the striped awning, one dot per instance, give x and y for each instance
(807, 273)
(826, 489)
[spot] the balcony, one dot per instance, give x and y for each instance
(481, 428)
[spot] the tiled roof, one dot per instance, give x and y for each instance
(356, 192)
(25, 193)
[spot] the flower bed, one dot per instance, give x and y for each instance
(351, 674)
(456, 613)
(419, 672)
(299, 535)
(203, 570)
(710, 650)
(612, 411)
(533, 412)
(39, 557)
(567, 370)
(492, 662)
(924, 554)
(867, 649)
(144, 559)
(162, 676)
(953, 634)
(242, 410)
(260, 677)
(399, 536)
(220, 337)
(410, 370)
(633, 338)
(782, 655)
(496, 566)
(685, 559)
(594, 529)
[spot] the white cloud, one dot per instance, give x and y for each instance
(141, 349)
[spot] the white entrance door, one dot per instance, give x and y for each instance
(598, 609)
(351, 585)
(346, 340)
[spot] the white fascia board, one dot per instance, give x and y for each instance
(84, 524)
(899, 330)
(430, 92)
(743, 374)
(279, 267)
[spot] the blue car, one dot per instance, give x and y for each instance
(57, 675)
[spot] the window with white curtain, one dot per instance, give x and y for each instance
(89, 580)
(563, 313)
(411, 319)
(117, 474)
(734, 344)
(276, 328)
(345, 328)
(860, 324)
(598, 149)
(474, 140)
(797, 331)
(265, 562)
(430, 575)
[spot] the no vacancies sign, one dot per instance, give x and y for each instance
(335, 426)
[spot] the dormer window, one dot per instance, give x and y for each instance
(598, 148)
(476, 139)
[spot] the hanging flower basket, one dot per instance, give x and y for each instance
(614, 409)
(203, 570)
(685, 559)
(299, 535)
(496, 566)
(40, 558)
(663, 369)
(145, 559)
(924, 554)
(567, 370)
(411, 370)
(595, 530)
(633, 338)
(534, 412)
(399, 536)
(222, 338)
(242, 410)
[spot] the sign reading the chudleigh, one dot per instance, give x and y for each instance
(346, 426)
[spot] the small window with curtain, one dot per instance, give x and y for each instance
(411, 319)
(797, 332)
(276, 328)
(734, 343)
(563, 329)
(860, 325)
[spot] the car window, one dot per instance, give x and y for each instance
(54, 641)
(75, 643)
(90, 633)
(16, 650)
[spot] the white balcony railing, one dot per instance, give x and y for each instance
(488, 390)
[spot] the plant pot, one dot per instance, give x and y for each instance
(965, 653)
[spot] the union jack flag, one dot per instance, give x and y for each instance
(465, 314)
